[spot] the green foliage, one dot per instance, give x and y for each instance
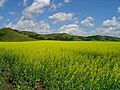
(101, 38)
(61, 65)
(11, 35)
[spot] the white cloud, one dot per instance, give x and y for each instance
(35, 8)
(2, 2)
(118, 9)
(110, 31)
(27, 21)
(110, 27)
(8, 20)
(43, 28)
(10, 25)
(12, 13)
(76, 21)
(1, 17)
(60, 17)
(30, 25)
(112, 22)
(25, 2)
(88, 22)
(71, 29)
(54, 6)
(67, 1)
(25, 25)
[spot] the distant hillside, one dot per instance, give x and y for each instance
(68, 37)
(56, 36)
(101, 38)
(7, 34)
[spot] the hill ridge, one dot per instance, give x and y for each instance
(8, 34)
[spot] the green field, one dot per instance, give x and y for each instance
(60, 65)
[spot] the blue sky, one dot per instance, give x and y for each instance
(79, 17)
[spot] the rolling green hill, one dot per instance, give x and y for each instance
(101, 38)
(56, 36)
(68, 37)
(7, 34)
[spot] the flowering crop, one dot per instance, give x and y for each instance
(60, 65)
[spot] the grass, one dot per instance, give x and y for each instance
(60, 65)
(9, 35)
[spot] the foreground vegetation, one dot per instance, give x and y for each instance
(60, 65)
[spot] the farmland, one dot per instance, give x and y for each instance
(60, 65)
